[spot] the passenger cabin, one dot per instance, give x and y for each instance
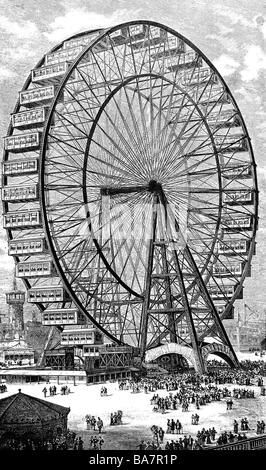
(214, 94)
(241, 171)
(153, 36)
(80, 336)
(239, 197)
(22, 142)
(22, 219)
(237, 223)
(39, 95)
(50, 74)
(28, 246)
(83, 41)
(30, 118)
(62, 316)
(120, 36)
(20, 193)
(174, 44)
(63, 55)
(35, 269)
(233, 247)
(183, 61)
(226, 143)
(229, 270)
(199, 76)
(224, 119)
(224, 292)
(137, 31)
(20, 167)
(47, 294)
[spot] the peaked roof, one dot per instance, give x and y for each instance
(22, 408)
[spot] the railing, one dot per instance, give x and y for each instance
(253, 443)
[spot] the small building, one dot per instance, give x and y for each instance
(16, 352)
(23, 417)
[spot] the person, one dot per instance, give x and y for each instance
(93, 422)
(100, 442)
(92, 441)
(208, 435)
(258, 427)
(88, 421)
(80, 443)
(213, 433)
(172, 427)
(142, 445)
(99, 425)
(246, 424)
(161, 434)
(235, 426)
(119, 417)
(262, 425)
(45, 392)
(168, 430)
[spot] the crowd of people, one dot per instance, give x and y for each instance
(185, 443)
(96, 442)
(195, 394)
(65, 390)
(52, 391)
(70, 441)
(260, 427)
(228, 437)
(158, 433)
(195, 419)
(78, 444)
(116, 418)
(203, 439)
(243, 393)
(257, 367)
(103, 392)
(148, 445)
(92, 422)
(174, 427)
(206, 436)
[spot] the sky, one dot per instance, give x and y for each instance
(231, 33)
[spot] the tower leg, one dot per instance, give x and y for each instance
(144, 316)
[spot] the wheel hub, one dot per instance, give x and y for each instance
(154, 186)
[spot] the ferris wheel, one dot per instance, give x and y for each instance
(129, 187)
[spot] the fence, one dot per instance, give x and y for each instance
(253, 443)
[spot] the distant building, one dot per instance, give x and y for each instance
(244, 337)
(16, 352)
(24, 417)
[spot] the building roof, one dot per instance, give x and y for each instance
(24, 409)
(42, 372)
(16, 346)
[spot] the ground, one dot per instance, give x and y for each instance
(138, 416)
